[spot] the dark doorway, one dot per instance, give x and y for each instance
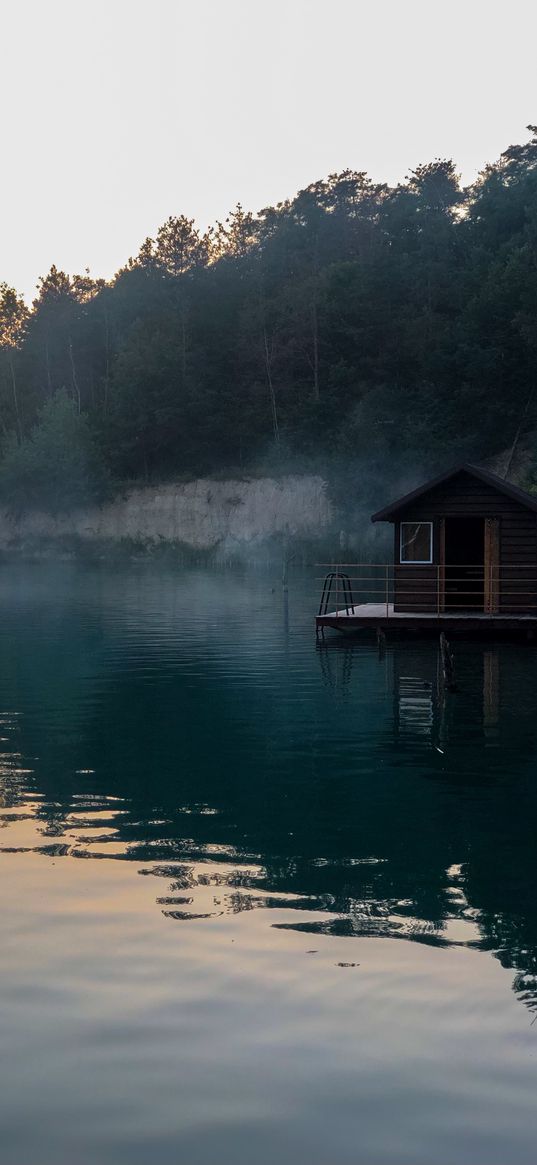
(465, 564)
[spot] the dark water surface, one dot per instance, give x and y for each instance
(260, 901)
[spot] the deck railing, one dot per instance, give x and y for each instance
(415, 587)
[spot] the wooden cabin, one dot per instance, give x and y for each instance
(464, 542)
(465, 549)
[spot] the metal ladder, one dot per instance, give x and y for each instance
(335, 577)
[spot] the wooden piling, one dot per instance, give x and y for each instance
(448, 664)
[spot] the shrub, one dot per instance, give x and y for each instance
(58, 467)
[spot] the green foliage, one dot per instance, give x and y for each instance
(13, 318)
(396, 326)
(57, 467)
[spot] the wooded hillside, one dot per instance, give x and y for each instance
(355, 320)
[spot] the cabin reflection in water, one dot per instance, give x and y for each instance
(491, 692)
(413, 674)
(414, 707)
(457, 830)
(422, 705)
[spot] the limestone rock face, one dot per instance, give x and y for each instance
(203, 514)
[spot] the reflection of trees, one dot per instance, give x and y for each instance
(371, 804)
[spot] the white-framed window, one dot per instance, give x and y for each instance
(416, 542)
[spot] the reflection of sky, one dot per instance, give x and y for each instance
(123, 1033)
(213, 834)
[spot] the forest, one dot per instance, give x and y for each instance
(356, 323)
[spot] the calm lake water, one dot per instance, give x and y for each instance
(261, 901)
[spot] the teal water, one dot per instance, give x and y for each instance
(261, 901)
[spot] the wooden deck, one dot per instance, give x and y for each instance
(370, 616)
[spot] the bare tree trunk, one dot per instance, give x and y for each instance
(272, 394)
(74, 377)
(183, 341)
(315, 323)
(267, 354)
(512, 451)
(47, 366)
(107, 362)
(15, 398)
(182, 310)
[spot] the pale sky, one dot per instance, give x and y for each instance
(119, 113)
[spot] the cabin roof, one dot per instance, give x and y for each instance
(498, 483)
